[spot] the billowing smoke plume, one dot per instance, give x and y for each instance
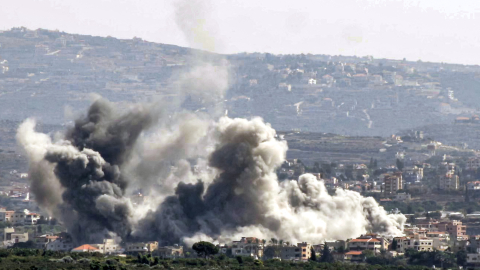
(78, 179)
(85, 178)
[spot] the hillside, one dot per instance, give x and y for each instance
(51, 75)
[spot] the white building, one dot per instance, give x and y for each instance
(247, 246)
(403, 197)
(416, 242)
(108, 247)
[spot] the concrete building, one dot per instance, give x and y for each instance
(449, 182)
(5, 215)
(393, 183)
(403, 197)
(141, 247)
(108, 246)
(170, 252)
(365, 244)
(60, 244)
(42, 240)
(473, 260)
(248, 246)
(31, 218)
(455, 228)
(301, 252)
(18, 218)
(473, 163)
(473, 185)
(416, 242)
(11, 236)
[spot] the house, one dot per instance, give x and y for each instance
(108, 246)
(376, 80)
(18, 218)
(473, 185)
(60, 244)
(31, 218)
(248, 246)
(403, 197)
(416, 242)
(141, 247)
(170, 252)
(354, 256)
(86, 248)
(9, 235)
(360, 244)
(5, 215)
(473, 260)
(42, 240)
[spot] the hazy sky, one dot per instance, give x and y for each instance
(431, 30)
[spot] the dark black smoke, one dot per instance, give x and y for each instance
(87, 166)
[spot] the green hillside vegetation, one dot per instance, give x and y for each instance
(32, 259)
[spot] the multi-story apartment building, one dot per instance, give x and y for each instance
(416, 242)
(455, 228)
(473, 163)
(301, 252)
(449, 182)
(392, 183)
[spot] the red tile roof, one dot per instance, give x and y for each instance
(354, 253)
(365, 240)
(85, 247)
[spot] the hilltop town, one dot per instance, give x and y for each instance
(41, 71)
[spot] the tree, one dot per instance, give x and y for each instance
(400, 165)
(368, 253)
(314, 255)
(205, 249)
(461, 257)
(326, 255)
(394, 244)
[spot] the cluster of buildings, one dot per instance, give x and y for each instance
(18, 217)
